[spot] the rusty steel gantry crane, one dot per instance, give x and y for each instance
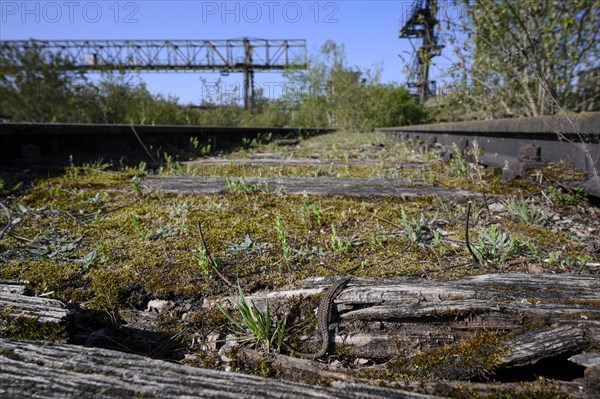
(421, 25)
(234, 55)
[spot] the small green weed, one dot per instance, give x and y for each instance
(53, 245)
(554, 258)
(203, 262)
(519, 209)
(439, 243)
(142, 166)
(567, 199)
(136, 185)
(142, 234)
(458, 213)
(311, 213)
(239, 185)
(496, 246)
(97, 165)
(534, 251)
(4, 189)
(236, 185)
(377, 240)
(89, 260)
(255, 325)
(255, 142)
(286, 251)
(458, 164)
(572, 264)
(417, 231)
(72, 173)
(338, 244)
(172, 167)
(248, 245)
(204, 149)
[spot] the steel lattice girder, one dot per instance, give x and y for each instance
(235, 55)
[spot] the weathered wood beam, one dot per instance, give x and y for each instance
(369, 187)
(47, 371)
(547, 315)
(293, 368)
(16, 304)
(533, 346)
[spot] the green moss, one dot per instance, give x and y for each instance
(162, 258)
(477, 356)
(59, 277)
(205, 360)
(541, 236)
(344, 146)
(264, 369)
(561, 172)
(14, 326)
(108, 287)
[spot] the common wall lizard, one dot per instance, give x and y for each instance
(324, 318)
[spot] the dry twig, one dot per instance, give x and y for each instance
(467, 234)
(213, 264)
(385, 220)
(9, 222)
(142, 143)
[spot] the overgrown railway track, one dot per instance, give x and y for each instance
(519, 145)
(457, 276)
(514, 145)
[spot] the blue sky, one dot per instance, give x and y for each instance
(368, 29)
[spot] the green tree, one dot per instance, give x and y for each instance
(304, 92)
(39, 87)
(526, 57)
(333, 94)
(391, 105)
(267, 112)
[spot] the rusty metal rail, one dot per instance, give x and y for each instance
(518, 145)
(28, 144)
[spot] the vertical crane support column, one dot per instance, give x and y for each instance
(421, 25)
(248, 75)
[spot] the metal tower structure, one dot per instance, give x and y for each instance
(421, 25)
(235, 55)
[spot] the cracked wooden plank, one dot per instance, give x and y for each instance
(44, 310)
(285, 160)
(367, 187)
(383, 319)
(292, 368)
(46, 371)
(532, 346)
